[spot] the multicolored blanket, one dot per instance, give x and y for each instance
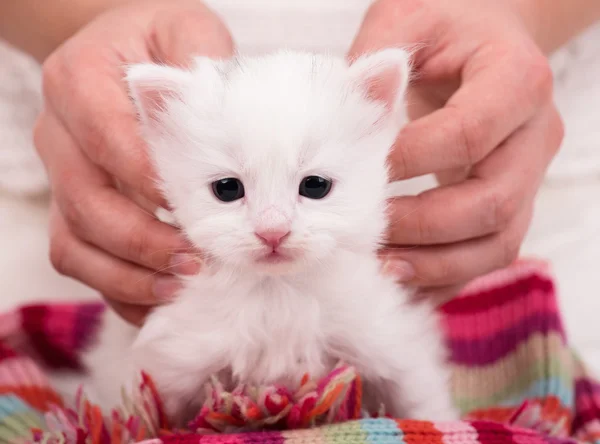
(515, 379)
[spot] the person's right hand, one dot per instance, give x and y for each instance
(103, 232)
(484, 122)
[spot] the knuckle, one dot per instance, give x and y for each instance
(137, 245)
(446, 269)
(98, 138)
(74, 206)
(136, 291)
(441, 270)
(471, 138)
(82, 60)
(503, 207)
(436, 271)
(93, 141)
(65, 73)
(539, 77)
(95, 144)
(142, 246)
(510, 247)
(125, 287)
(424, 231)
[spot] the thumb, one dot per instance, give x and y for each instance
(395, 23)
(188, 31)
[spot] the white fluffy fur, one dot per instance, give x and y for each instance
(271, 121)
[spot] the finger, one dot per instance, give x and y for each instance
(489, 199)
(98, 214)
(122, 280)
(455, 263)
(134, 314)
(394, 24)
(455, 213)
(538, 143)
(101, 120)
(106, 219)
(493, 101)
(437, 295)
(145, 204)
(183, 33)
(454, 176)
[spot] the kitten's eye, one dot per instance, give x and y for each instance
(315, 187)
(228, 190)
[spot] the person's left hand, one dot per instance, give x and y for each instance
(103, 231)
(484, 123)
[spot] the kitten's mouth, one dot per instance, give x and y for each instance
(274, 257)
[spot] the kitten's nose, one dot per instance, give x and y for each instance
(272, 238)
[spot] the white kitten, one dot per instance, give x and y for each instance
(276, 169)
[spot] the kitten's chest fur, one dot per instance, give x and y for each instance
(276, 329)
(262, 331)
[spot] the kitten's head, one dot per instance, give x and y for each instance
(275, 163)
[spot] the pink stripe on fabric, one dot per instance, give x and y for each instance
(11, 371)
(453, 432)
(22, 371)
(10, 323)
(498, 318)
(35, 374)
(506, 276)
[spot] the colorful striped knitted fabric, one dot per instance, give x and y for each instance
(514, 378)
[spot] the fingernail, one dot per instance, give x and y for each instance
(166, 288)
(401, 270)
(184, 264)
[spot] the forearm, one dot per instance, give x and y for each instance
(40, 26)
(554, 22)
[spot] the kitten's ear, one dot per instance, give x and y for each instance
(151, 85)
(383, 76)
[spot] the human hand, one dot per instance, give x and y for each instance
(484, 122)
(102, 229)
